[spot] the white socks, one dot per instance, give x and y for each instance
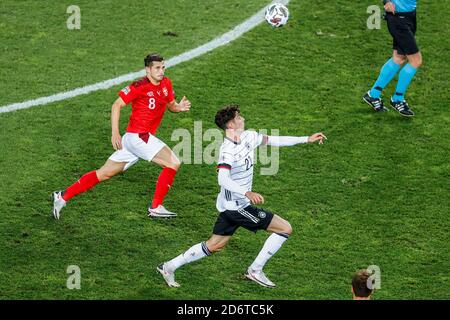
(200, 250)
(271, 246)
(194, 253)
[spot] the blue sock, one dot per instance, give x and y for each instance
(387, 72)
(404, 79)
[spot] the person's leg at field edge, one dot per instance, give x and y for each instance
(387, 73)
(398, 101)
(406, 75)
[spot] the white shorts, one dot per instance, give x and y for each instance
(133, 148)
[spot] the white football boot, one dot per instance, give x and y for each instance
(169, 277)
(160, 212)
(58, 203)
(259, 277)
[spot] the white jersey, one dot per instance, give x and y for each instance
(238, 157)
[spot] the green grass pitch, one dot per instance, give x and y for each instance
(376, 193)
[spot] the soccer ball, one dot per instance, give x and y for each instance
(277, 15)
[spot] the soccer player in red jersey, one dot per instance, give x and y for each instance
(149, 98)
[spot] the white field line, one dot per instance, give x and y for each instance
(188, 55)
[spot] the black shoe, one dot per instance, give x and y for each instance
(375, 103)
(402, 107)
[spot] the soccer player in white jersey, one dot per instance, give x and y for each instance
(234, 202)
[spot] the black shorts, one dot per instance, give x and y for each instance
(250, 218)
(402, 27)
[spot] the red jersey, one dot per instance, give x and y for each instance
(148, 104)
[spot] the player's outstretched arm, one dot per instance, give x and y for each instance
(285, 141)
(182, 106)
(317, 137)
(116, 139)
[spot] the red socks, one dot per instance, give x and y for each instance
(85, 183)
(90, 179)
(163, 185)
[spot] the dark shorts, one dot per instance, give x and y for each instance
(250, 218)
(402, 27)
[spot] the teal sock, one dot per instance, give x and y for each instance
(387, 72)
(404, 79)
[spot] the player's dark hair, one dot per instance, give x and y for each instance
(226, 114)
(148, 60)
(359, 284)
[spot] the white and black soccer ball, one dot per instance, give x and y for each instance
(277, 15)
